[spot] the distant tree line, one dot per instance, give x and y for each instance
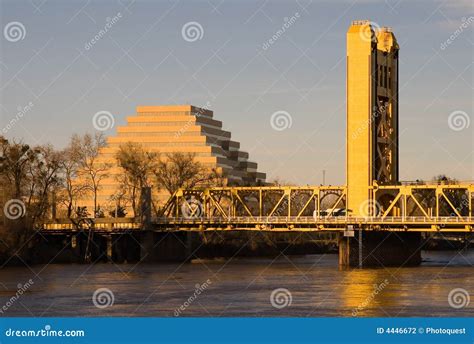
(42, 177)
(38, 181)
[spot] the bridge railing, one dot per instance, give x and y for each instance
(264, 222)
(133, 224)
(314, 220)
(95, 223)
(435, 204)
(439, 200)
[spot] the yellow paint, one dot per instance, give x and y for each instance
(175, 128)
(372, 126)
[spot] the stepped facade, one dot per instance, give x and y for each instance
(179, 128)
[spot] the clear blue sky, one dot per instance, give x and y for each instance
(144, 60)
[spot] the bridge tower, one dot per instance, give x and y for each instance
(372, 147)
(372, 113)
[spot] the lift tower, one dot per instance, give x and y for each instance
(372, 114)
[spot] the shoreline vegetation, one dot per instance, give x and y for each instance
(41, 182)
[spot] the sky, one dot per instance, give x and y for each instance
(55, 76)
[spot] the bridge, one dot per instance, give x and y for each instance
(380, 218)
(318, 208)
(310, 208)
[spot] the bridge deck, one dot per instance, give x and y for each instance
(419, 207)
(275, 223)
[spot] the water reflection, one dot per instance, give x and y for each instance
(242, 287)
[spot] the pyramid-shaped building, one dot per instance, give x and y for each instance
(181, 128)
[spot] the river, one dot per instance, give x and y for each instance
(302, 286)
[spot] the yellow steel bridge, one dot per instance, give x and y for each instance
(372, 199)
(425, 207)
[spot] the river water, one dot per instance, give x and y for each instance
(302, 286)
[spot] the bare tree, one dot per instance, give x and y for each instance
(15, 161)
(137, 165)
(180, 170)
(93, 170)
(214, 177)
(28, 175)
(73, 187)
(44, 174)
(459, 198)
(120, 199)
(277, 181)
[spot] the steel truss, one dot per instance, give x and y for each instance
(269, 201)
(425, 200)
(419, 207)
(415, 207)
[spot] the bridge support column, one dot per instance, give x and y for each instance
(108, 238)
(147, 241)
(379, 249)
(167, 246)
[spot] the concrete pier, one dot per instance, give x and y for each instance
(117, 248)
(109, 247)
(378, 249)
(167, 246)
(149, 246)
